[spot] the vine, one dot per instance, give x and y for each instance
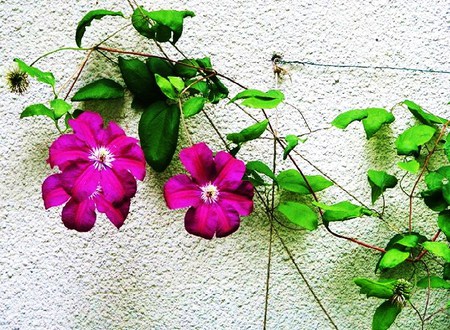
(99, 165)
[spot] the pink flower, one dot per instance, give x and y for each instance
(99, 171)
(215, 192)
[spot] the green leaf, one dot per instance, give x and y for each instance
(376, 118)
(380, 289)
(439, 249)
(196, 87)
(292, 142)
(411, 166)
(158, 133)
(409, 241)
(299, 214)
(293, 181)
(160, 66)
(260, 167)
(423, 116)
(186, 68)
(447, 146)
(193, 106)
(342, 211)
(87, 20)
(393, 258)
(410, 141)
(254, 98)
(372, 118)
(249, 133)
(139, 80)
(218, 91)
(385, 315)
(60, 107)
(166, 87)
(37, 110)
(43, 77)
(380, 181)
(446, 272)
(177, 83)
(435, 282)
(160, 25)
(444, 223)
(101, 89)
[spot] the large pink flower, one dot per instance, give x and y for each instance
(99, 167)
(215, 192)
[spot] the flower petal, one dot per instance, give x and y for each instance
(53, 193)
(79, 215)
(67, 149)
(87, 126)
(198, 160)
(80, 180)
(227, 220)
(110, 133)
(180, 192)
(229, 170)
(117, 185)
(201, 221)
(240, 199)
(130, 157)
(116, 212)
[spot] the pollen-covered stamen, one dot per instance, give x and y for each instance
(210, 193)
(102, 158)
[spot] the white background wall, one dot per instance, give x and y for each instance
(151, 273)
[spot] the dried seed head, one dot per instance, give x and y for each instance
(17, 80)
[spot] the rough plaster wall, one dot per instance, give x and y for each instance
(153, 275)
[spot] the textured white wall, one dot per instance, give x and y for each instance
(151, 273)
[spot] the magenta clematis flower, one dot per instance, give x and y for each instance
(99, 167)
(215, 192)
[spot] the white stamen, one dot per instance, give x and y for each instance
(210, 193)
(97, 191)
(102, 158)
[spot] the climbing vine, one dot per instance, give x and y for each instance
(99, 165)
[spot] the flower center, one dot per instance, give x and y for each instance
(102, 158)
(210, 193)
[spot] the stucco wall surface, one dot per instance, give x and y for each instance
(152, 274)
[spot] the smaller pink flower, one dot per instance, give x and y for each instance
(99, 171)
(215, 192)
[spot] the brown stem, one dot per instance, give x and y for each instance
(78, 74)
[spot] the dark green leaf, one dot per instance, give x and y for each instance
(186, 68)
(447, 146)
(423, 116)
(260, 167)
(218, 91)
(43, 77)
(385, 315)
(139, 80)
(439, 249)
(166, 87)
(446, 272)
(380, 181)
(254, 98)
(379, 289)
(342, 211)
(299, 214)
(393, 258)
(444, 223)
(193, 106)
(101, 89)
(411, 166)
(196, 87)
(87, 20)
(158, 133)
(60, 107)
(37, 110)
(410, 141)
(372, 118)
(249, 133)
(434, 282)
(293, 181)
(160, 66)
(205, 63)
(292, 142)
(160, 25)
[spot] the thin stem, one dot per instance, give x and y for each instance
(113, 34)
(83, 64)
(269, 260)
(422, 321)
(428, 289)
(183, 122)
(58, 50)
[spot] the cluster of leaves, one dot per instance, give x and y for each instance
(409, 246)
